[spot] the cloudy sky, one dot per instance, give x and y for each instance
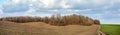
(107, 11)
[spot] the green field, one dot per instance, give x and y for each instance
(110, 29)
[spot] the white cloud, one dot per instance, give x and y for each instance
(16, 1)
(1, 12)
(48, 3)
(55, 10)
(80, 1)
(43, 3)
(33, 0)
(64, 10)
(31, 10)
(63, 3)
(37, 14)
(85, 10)
(70, 10)
(65, 7)
(98, 1)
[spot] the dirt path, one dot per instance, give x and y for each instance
(100, 32)
(39, 28)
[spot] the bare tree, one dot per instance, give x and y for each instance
(56, 19)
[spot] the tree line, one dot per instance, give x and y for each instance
(57, 20)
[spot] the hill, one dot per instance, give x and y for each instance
(40, 28)
(54, 25)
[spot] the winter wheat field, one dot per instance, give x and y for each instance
(59, 17)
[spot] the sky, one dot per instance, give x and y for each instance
(107, 11)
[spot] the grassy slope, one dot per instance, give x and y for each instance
(38, 28)
(111, 29)
(12, 32)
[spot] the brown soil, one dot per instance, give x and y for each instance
(40, 28)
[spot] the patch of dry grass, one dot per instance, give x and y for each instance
(40, 28)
